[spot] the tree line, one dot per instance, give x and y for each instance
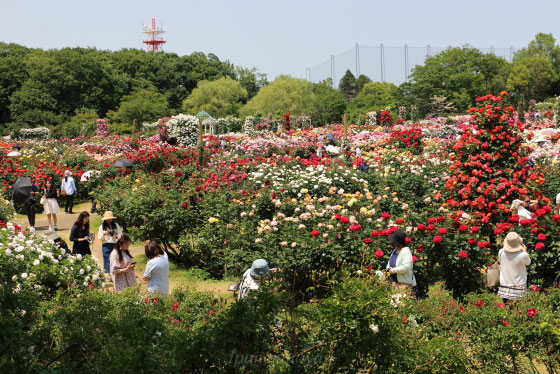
(68, 89)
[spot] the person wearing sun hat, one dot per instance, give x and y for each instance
(513, 260)
(253, 276)
(109, 232)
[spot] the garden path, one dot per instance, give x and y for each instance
(178, 277)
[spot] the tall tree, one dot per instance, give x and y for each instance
(348, 86)
(328, 104)
(250, 79)
(141, 106)
(376, 96)
(220, 98)
(361, 82)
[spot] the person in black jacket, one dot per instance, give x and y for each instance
(30, 205)
(81, 236)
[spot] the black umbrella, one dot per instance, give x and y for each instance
(21, 190)
(124, 164)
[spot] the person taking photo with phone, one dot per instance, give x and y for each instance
(80, 235)
(122, 267)
(109, 232)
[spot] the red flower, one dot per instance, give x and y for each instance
(505, 322)
(175, 307)
(344, 220)
(556, 218)
(463, 255)
(526, 222)
(547, 208)
(514, 218)
(540, 212)
(475, 229)
(379, 254)
(500, 305)
(471, 240)
(367, 241)
(541, 237)
(462, 309)
(532, 312)
(185, 205)
(539, 246)
(442, 231)
(420, 248)
(463, 228)
(399, 221)
(535, 288)
(479, 304)
(355, 228)
(437, 239)
(422, 227)
(385, 215)
(414, 259)
(212, 312)
(315, 233)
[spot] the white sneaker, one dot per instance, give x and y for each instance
(50, 228)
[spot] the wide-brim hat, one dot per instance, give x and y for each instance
(51, 235)
(513, 242)
(67, 173)
(259, 268)
(108, 215)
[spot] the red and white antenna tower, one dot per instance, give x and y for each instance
(155, 40)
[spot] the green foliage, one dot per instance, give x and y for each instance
(328, 104)
(220, 98)
(286, 94)
(141, 106)
(361, 82)
(7, 211)
(250, 79)
(459, 74)
(83, 123)
(374, 96)
(348, 86)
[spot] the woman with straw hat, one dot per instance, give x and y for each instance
(513, 260)
(109, 232)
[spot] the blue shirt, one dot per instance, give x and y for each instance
(393, 263)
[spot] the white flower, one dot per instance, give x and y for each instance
(31, 349)
(258, 240)
(412, 321)
(23, 275)
(36, 262)
(14, 278)
(294, 244)
(8, 252)
(374, 328)
(79, 257)
(82, 271)
(158, 333)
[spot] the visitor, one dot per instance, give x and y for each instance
(520, 208)
(222, 143)
(400, 266)
(109, 232)
(253, 276)
(30, 206)
(513, 260)
(319, 152)
(68, 189)
(122, 267)
(558, 203)
(358, 152)
(58, 241)
(80, 235)
(51, 204)
(157, 269)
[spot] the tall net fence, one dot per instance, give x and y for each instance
(384, 63)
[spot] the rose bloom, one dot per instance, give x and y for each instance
(355, 228)
(414, 259)
(315, 233)
(437, 239)
(463, 228)
(479, 304)
(367, 241)
(379, 254)
(539, 246)
(399, 221)
(442, 231)
(540, 212)
(385, 215)
(463, 255)
(344, 220)
(541, 237)
(556, 218)
(422, 227)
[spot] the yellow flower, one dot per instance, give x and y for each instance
(363, 210)
(212, 220)
(137, 180)
(352, 201)
(294, 200)
(304, 190)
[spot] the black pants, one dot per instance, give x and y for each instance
(30, 208)
(69, 203)
(93, 205)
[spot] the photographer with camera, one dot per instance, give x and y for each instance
(109, 232)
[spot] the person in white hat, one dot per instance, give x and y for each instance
(109, 232)
(513, 260)
(68, 189)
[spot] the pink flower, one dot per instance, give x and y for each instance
(535, 288)
(532, 312)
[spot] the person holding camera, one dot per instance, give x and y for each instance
(80, 235)
(122, 266)
(109, 232)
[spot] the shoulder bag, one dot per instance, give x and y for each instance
(493, 275)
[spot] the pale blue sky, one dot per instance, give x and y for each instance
(277, 36)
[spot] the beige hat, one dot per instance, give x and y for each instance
(108, 215)
(513, 242)
(68, 173)
(51, 235)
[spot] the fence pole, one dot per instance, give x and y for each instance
(406, 63)
(332, 70)
(382, 63)
(356, 58)
(428, 50)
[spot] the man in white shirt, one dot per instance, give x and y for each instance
(68, 189)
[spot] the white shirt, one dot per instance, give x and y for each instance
(158, 271)
(107, 238)
(523, 213)
(513, 268)
(247, 284)
(404, 267)
(68, 185)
